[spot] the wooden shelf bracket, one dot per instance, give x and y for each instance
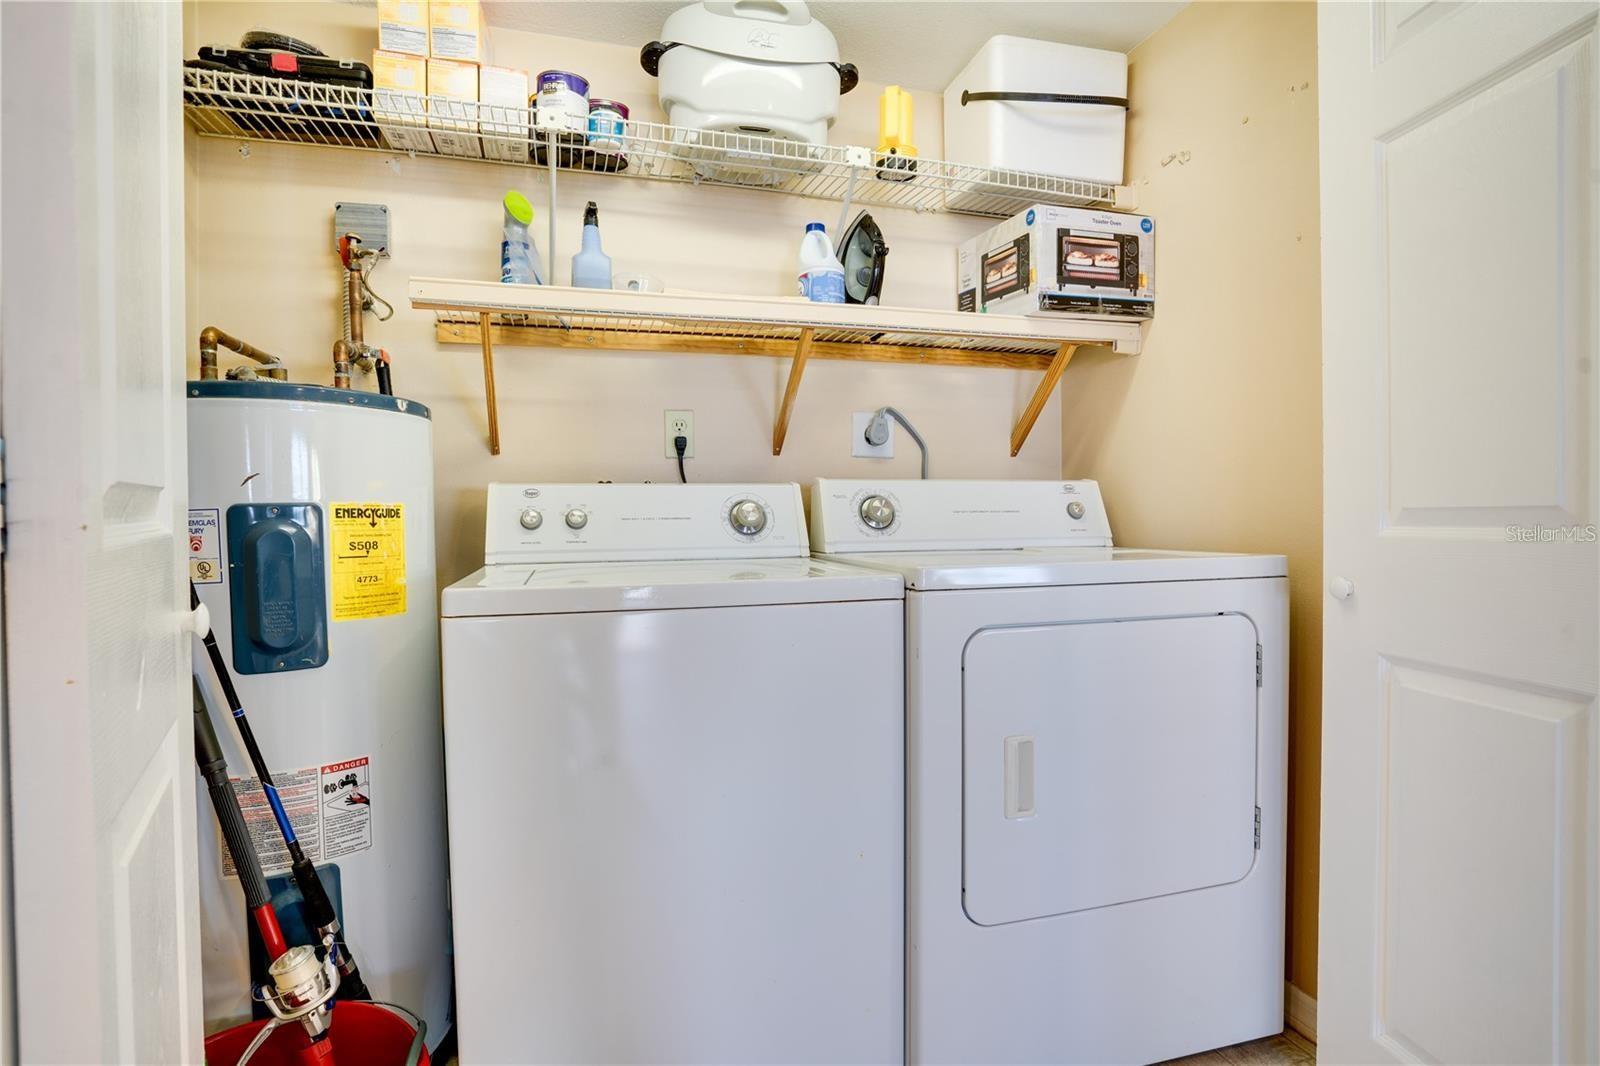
(488, 384)
(802, 351)
(1041, 396)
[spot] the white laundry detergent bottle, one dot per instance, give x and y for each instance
(821, 274)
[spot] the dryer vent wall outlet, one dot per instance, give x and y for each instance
(859, 448)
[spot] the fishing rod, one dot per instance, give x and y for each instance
(319, 909)
(301, 987)
(214, 768)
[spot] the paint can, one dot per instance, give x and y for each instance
(566, 94)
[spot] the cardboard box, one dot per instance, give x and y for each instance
(453, 107)
(1060, 260)
(503, 115)
(455, 30)
(399, 100)
(403, 26)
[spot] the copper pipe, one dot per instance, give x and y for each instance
(352, 297)
(211, 338)
(341, 364)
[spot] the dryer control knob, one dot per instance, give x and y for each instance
(577, 518)
(877, 512)
(1075, 508)
(748, 517)
(530, 518)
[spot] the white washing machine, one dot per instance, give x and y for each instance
(1095, 784)
(674, 758)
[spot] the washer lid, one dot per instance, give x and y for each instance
(1032, 567)
(573, 588)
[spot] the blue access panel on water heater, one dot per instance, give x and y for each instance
(276, 591)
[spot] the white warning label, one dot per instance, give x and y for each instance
(346, 807)
(329, 806)
(205, 546)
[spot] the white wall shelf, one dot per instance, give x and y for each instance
(249, 107)
(487, 312)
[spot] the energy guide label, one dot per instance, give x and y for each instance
(369, 560)
(329, 806)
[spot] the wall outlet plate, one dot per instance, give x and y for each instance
(859, 448)
(676, 424)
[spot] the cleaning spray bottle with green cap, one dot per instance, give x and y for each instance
(591, 268)
(519, 256)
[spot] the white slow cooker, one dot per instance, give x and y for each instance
(749, 66)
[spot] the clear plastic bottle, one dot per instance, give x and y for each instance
(519, 256)
(591, 268)
(821, 273)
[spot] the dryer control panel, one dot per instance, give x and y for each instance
(865, 516)
(632, 523)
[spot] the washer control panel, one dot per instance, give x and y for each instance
(622, 523)
(863, 516)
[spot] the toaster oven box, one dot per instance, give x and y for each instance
(1053, 260)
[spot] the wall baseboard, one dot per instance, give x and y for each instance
(1300, 1012)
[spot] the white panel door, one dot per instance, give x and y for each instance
(97, 653)
(1459, 218)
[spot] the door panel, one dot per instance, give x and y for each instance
(1106, 762)
(1458, 149)
(1478, 880)
(1484, 335)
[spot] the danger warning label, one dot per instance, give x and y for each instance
(369, 560)
(329, 806)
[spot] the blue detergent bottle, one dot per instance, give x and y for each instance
(591, 268)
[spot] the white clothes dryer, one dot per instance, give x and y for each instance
(1095, 777)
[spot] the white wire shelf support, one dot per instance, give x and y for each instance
(248, 107)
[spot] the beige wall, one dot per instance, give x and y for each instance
(263, 267)
(1211, 439)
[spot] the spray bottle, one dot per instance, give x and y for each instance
(519, 256)
(591, 268)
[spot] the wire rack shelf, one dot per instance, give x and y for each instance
(255, 108)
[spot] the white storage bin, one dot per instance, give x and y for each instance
(1075, 140)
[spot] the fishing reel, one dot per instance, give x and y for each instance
(303, 985)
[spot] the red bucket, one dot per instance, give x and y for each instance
(361, 1034)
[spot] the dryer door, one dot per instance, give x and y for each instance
(1106, 762)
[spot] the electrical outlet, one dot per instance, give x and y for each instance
(859, 448)
(678, 424)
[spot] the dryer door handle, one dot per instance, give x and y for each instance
(1019, 777)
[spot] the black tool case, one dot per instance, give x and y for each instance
(274, 110)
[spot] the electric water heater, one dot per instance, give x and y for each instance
(311, 544)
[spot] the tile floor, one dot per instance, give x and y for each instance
(1288, 1048)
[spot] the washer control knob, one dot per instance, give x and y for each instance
(747, 517)
(1075, 508)
(877, 512)
(530, 518)
(577, 518)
